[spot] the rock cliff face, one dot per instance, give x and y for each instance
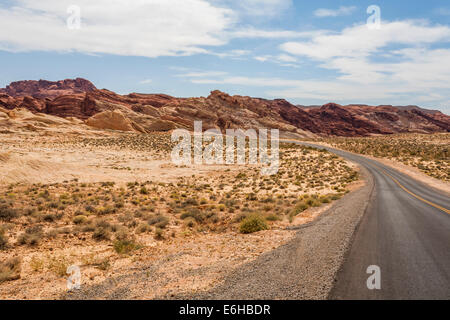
(47, 89)
(80, 99)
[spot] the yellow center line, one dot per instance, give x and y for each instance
(413, 194)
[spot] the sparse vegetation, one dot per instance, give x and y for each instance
(429, 153)
(253, 223)
(7, 213)
(10, 269)
(49, 223)
(3, 239)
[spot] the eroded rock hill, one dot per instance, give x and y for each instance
(80, 99)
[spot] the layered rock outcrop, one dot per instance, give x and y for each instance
(105, 109)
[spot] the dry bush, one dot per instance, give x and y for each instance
(10, 269)
(253, 223)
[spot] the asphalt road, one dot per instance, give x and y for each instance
(406, 237)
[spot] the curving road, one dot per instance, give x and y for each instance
(405, 231)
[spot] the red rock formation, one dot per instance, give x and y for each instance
(79, 98)
(47, 89)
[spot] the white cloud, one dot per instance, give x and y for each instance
(286, 58)
(202, 74)
(147, 28)
(282, 59)
(359, 41)
(146, 81)
(262, 58)
(402, 63)
(369, 68)
(236, 54)
(342, 11)
(272, 34)
(262, 8)
(248, 81)
(350, 51)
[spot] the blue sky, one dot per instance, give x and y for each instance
(308, 52)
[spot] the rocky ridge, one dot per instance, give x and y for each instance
(80, 99)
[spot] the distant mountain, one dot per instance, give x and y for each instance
(47, 89)
(409, 108)
(79, 98)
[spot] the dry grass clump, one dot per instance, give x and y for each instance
(32, 236)
(253, 223)
(10, 269)
(7, 212)
(59, 264)
(3, 239)
(125, 243)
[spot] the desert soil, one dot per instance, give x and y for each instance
(140, 227)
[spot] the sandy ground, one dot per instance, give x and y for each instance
(188, 260)
(185, 264)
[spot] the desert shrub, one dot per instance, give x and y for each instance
(101, 211)
(119, 203)
(125, 245)
(89, 227)
(299, 208)
(89, 208)
(272, 217)
(159, 234)
(312, 202)
(158, 220)
(52, 234)
(3, 240)
(213, 217)
(10, 269)
(30, 211)
(32, 236)
(59, 265)
(252, 197)
(7, 213)
(240, 217)
(36, 264)
(325, 200)
(163, 223)
(194, 213)
(253, 223)
(49, 217)
(144, 190)
(190, 202)
(103, 264)
(100, 233)
(189, 222)
(101, 223)
(335, 197)
(143, 228)
(80, 219)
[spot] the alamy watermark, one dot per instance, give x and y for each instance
(74, 280)
(374, 281)
(74, 19)
(374, 20)
(235, 147)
